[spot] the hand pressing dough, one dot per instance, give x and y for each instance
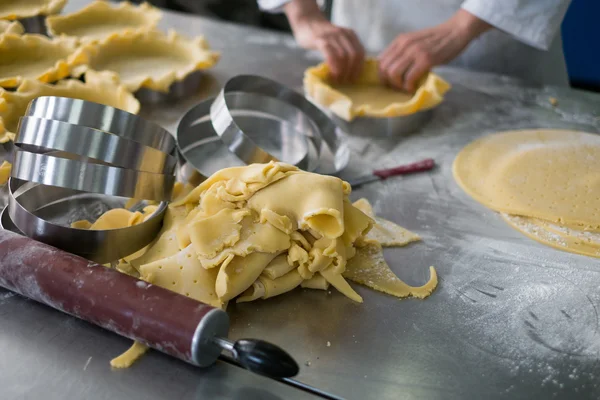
(547, 174)
(259, 231)
(368, 96)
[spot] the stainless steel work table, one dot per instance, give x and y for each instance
(511, 318)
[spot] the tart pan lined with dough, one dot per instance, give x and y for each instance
(35, 57)
(376, 100)
(98, 88)
(19, 9)
(101, 19)
(150, 59)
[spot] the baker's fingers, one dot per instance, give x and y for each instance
(386, 58)
(359, 58)
(351, 57)
(422, 64)
(384, 61)
(334, 57)
(395, 72)
(344, 56)
(399, 46)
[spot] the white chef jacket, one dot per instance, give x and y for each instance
(526, 43)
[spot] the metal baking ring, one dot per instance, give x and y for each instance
(103, 118)
(252, 114)
(35, 24)
(73, 173)
(101, 246)
(384, 127)
(285, 105)
(177, 91)
(40, 135)
(6, 223)
(187, 173)
(234, 137)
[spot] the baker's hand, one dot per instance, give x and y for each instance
(412, 55)
(340, 46)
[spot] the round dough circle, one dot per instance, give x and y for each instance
(544, 173)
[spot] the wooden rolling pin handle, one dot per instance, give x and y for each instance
(164, 320)
(419, 166)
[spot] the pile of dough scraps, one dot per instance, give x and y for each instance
(255, 232)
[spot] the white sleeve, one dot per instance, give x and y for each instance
(272, 6)
(534, 22)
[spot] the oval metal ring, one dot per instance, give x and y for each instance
(54, 170)
(103, 118)
(101, 246)
(91, 143)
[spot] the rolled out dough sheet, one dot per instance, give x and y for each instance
(552, 175)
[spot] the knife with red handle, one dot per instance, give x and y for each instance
(381, 174)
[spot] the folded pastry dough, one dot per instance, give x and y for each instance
(149, 59)
(98, 88)
(368, 96)
(11, 27)
(34, 57)
(100, 19)
(115, 218)
(256, 232)
(18, 9)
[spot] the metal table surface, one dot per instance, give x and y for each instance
(511, 318)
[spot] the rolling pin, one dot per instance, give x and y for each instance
(159, 318)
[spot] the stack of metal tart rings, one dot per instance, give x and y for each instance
(257, 120)
(69, 155)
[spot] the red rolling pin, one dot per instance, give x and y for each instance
(164, 320)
